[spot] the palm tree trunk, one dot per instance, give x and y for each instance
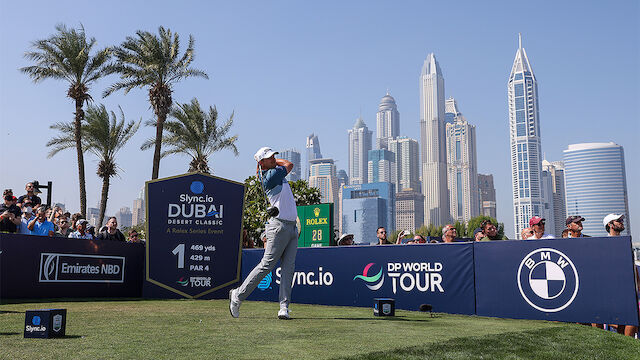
(77, 126)
(103, 201)
(162, 116)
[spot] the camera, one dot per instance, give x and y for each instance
(273, 211)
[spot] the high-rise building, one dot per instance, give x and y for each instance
(487, 195)
(556, 171)
(324, 177)
(524, 134)
(596, 185)
(365, 207)
(138, 216)
(359, 146)
(432, 136)
(409, 210)
(381, 166)
(93, 215)
(407, 162)
(293, 156)
(388, 122)
(61, 206)
(546, 180)
(313, 152)
(124, 217)
(462, 165)
(343, 178)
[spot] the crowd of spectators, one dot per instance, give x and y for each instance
(28, 215)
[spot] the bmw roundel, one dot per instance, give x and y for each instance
(548, 280)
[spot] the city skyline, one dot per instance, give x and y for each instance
(303, 86)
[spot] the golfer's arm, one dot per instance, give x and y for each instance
(286, 163)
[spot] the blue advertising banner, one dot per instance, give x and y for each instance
(436, 274)
(194, 224)
(587, 280)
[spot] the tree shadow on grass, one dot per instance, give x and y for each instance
(11, 312)
(9, 333)
(368, 318)
(50, 300)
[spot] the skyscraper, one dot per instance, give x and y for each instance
(409, 210)
(462, 165)
(432, 130)
(524, 126)
(556, 171)
(313, 152)
(359, 146)
(381, 166)
(293, 156)
(324, 177)
(546, 181)
(343, 178)
(365, 207)
(138, 216)
(407, 162)
(124, 217)
(487, 195)
(388, 122)
(596, 184)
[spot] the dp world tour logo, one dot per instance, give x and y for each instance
(548, 280)
(371, 280)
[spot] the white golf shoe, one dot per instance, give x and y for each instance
(283, 314)
(234, 304)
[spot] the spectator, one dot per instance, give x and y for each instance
(526, 233)
(574, 225)
(111, 233)
(381, 233)
(565, 233)
(74, 220)
(91, 230)
(477, 234)
(63, 227)
(27, 216)
(449, 233)
(9, 215)
(537, 225)
(490, 231)
(81, 230)
(400, 237)
(247, 243)
(40, 225)
(31, 196)
(613, 224)
(419, 239)
(345, 240)
(133, 237)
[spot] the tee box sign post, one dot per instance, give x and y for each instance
(194, 229)
(316, 223)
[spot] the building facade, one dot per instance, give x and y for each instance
(365, 207)
(381, 166)
(387, 122)
(432, 136)
(487, 195)
(359, 146)
(313, 152)
(596, 184)
(124, 217)
(524, 134)
(137, 212)
(406, 153)
(556, 171)
(409, 210)
(293, 156)
(462, 165)
(324, 177)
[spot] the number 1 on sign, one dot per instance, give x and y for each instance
(179, 250)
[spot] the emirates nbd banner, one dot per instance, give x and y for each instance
(194, 243)
(437, 274)
(575, 280)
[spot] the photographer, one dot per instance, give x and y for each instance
(281, 232)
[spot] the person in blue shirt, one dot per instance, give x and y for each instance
(40, 225)
(281, 233)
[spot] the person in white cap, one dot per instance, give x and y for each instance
(614, 224)
(281, 233)
(346, 240)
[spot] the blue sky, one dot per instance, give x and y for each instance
(291, 68)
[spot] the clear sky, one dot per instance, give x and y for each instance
(290, 68)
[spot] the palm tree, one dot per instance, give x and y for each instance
(197, 134)
(67, 56)
(153, 61)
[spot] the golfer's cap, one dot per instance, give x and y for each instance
(535, 220)
(574, 218)
(343, 237)
(264, 153)
(609, 218)
(82, 221)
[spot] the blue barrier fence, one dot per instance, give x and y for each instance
(575, 280)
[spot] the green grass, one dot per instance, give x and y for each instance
(198, 329)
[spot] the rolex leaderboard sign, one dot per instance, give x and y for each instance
(194, 233)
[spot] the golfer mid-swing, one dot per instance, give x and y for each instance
(282, 235)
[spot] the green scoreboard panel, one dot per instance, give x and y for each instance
(316, 223)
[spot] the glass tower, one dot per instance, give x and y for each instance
(313, 152)
(406, 153)
(293, 156)
(388, 122)
(524, 133)
(359, 146)
(596, 185)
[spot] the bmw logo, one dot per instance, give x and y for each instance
(548, 280)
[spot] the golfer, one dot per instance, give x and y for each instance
(281, 233)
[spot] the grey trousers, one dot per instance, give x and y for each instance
(282, 244)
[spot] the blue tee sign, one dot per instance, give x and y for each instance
(194, 229)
